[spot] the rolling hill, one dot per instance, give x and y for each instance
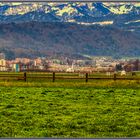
(56, 39)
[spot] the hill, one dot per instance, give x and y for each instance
(55, 39)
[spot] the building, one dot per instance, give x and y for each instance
(16, 67)
(70, 69)
(2, 65)
(2, 62)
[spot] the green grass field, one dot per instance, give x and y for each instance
(69, 109)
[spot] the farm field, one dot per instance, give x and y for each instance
(70, 109)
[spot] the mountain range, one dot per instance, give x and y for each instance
(118, 13)
(69, 29)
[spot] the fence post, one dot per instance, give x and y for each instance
(25, 76)
(115, 76)
(53, 76)
(86, 77)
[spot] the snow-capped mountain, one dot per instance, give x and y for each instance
(90, 12)
(67, 29)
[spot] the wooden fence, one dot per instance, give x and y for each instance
(25, 76)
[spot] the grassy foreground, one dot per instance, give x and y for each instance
(88, 110)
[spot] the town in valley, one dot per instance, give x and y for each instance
(64, 64)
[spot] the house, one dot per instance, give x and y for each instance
(16, 67)
(123, 73)
(2, 65)
(2, 62)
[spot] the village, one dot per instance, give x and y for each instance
(96, 64)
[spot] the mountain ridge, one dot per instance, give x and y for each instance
(76, 28)
(66, 39)
(67, 12)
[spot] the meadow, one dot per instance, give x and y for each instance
(69, 109)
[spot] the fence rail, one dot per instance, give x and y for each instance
(53, 76)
